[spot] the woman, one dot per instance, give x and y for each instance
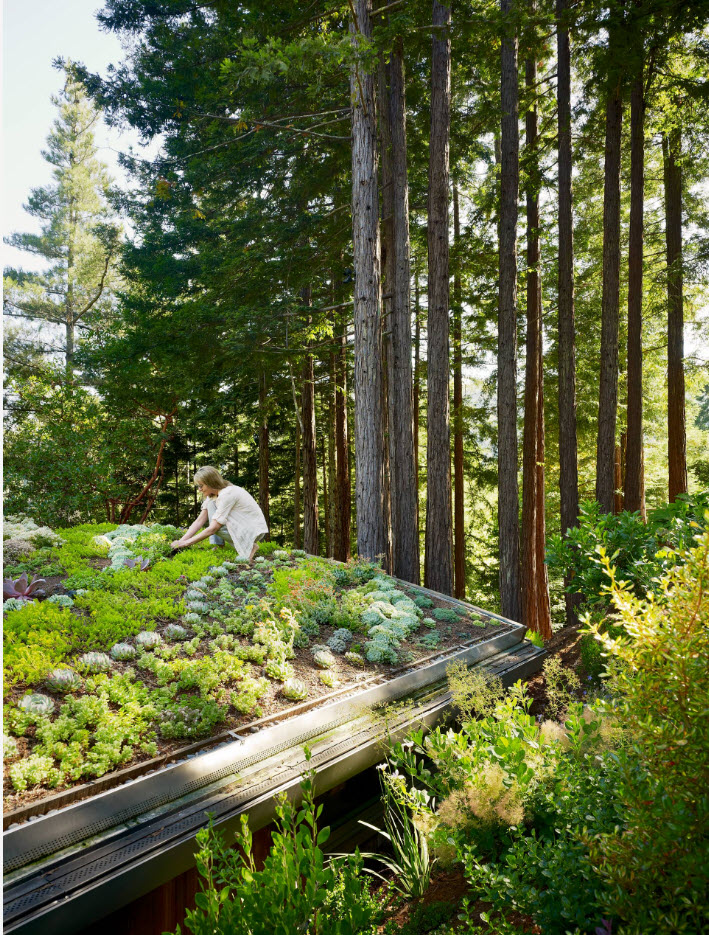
(229, 511)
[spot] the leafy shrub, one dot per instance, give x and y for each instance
(640, 551)
(296, 891)
(655, 866)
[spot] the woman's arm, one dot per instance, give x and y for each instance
(198, 523)
(211, 530)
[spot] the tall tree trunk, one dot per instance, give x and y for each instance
(311, 538)
(388, 260)
(634, 485)
(404, 491)
(417, 377)
(439, 540)
(325, 486)
(618, 479)
(367, 297)
(676, 431)
(459, 481)
(296, 495)
(263, 448)
(331, 456)
(568, 445)
(177, 492)
(608, 390)
(534, 577)
(508, 502)
(342, 461)
(543, 600)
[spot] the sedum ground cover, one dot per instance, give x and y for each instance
(133, 650)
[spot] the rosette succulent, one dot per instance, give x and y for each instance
(62, 599)
(36, 703)
(94, 662)
(280, 553)
(63, 680)
(337, 645)
(192, 618)
(324, 659)
(200, 607)
(173, 631)
(142, 564)
(148, 639)
(329, 679)
(343, 634)
(9, 747)
(295, 689)
(355, 659)
(22, 589)
(279, 669)
(123, 651)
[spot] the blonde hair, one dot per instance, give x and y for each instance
(211, 477)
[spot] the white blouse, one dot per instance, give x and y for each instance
(240, 513)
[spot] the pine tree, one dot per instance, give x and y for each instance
(78, 238)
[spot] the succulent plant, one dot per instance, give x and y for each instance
(148, 639)
(298, 553)
(35, 703)
(205, 579)
(14, 604)
(141, 563)
(329, 679)
(194, 594)
(94, 662)
(230, 566)
(279, 669)
(355, 659)
(280, 553)
(15, 550)
(62, 599)
(429, 622)
(192, 618)
(324, 659)
(200, 607)
(445, 614)
(220, 572)
(21, 589)
(63, 680)
(9, 747)
(423, 602)
(337, 645)
(173, 631)
(343, 634)
(378, 651)
(122, 651)
(295, 689)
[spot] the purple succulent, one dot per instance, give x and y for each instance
(21, 589)
(142, 563)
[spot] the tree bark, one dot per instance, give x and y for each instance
(404, 491)
(634, 487)
(417, 377)
(311, 537)
(608, 390)
(296, 495)
(331, 456)
(367, 298)
(535, 597)
(676, 430)
(439, 541)
(263, 448)
(458, 473)
(568, 444)
(325, 486)
(508, 502)
(387, 254)
(342, 499)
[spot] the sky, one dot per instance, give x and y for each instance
(34, 33)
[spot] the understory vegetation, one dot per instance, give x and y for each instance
(139, 647)
(592, 817)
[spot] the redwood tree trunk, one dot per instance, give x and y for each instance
(311, 539)
(387, 255)
(458, 475)
(367, 298)
(568, 445)
(417, 376)
(296, 497)
(404, 490)
(568, 442)
(608, 390)
(634, 481)
(438, 573)
(342, 499)
(676, 431)
(508, 503)
(263, 448)
(331, 456)
(535, 598)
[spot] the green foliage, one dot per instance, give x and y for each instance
(297, 890)
(655, 868)
(640, 551)
(444, 615)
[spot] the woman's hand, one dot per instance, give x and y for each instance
(179, 544)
